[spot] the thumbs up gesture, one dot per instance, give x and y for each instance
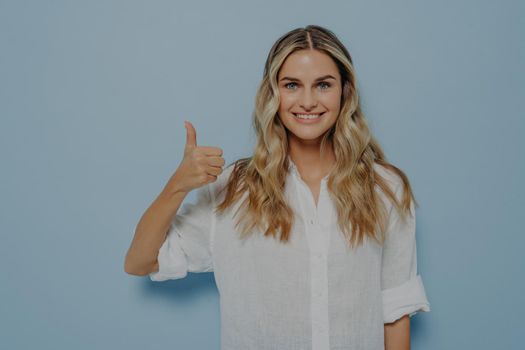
(200, 165)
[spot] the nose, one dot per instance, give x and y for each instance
(308, 100)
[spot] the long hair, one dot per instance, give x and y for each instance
(352, 182)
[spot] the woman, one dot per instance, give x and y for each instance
(312, 238)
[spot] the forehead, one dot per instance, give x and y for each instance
(306, 64)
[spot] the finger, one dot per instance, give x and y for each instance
(211, 170)
(211, 151)
(215, 161)
(191, 134)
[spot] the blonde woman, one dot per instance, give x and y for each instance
(312, 238)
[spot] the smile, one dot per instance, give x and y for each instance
(308, 116)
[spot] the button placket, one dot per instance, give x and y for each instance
(318, 243)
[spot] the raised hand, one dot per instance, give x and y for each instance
(199, 166)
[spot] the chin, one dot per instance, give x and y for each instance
(306, 136)
(307, 132)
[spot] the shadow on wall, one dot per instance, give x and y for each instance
(187, 289)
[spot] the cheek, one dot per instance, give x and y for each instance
(286, 102)
(333, 101)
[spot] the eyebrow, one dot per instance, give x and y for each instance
(324, 77)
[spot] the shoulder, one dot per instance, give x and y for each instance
(395, 179)
(389, 174)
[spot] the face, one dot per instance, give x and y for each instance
(310, 90)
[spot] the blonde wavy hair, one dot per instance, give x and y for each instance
(351, 184)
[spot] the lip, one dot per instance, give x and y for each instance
(301, 113)
(308, 121)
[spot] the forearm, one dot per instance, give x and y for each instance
(151, 232)
(397, 334)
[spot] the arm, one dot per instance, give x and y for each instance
(199, 167)
(397, 334)
(151, 231)
(402, 288)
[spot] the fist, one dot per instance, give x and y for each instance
(199, 166)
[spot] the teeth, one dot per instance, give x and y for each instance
(307, 116)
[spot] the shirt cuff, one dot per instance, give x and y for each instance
(406, 299)
(172, 260)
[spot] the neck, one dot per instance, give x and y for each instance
(307, 158)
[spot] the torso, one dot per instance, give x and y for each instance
(265, 282)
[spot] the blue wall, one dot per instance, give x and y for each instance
(92, 101)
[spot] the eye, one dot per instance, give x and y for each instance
(286, 85)
(325, 84)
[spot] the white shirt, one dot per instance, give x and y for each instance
(311, 293)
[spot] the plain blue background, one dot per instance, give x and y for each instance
(93, 95)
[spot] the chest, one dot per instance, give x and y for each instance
(315, 229)
(314, 186)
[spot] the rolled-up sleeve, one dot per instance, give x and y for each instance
(403, 292)
(187, 245)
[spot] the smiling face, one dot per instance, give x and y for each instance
(310, 91)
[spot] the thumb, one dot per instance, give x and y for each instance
(191, 135)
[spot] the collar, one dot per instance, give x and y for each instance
(292, 168)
